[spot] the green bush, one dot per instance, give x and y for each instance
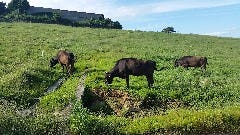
(20, 6)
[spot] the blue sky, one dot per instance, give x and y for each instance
(205, 17)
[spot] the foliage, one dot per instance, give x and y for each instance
(168, 30)
(2, 8)
(104, 23)
(55, 18)
(17, 12)
(20, 6)
(15, 16)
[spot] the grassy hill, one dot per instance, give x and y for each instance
(181, 101)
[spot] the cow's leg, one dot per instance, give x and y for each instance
(72, 68)
(127, 81)
(62, 67)
(203, 67)
(68, 67)
(150, 80)
(185, 66)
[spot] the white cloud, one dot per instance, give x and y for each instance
(229, 32)
(218, 33)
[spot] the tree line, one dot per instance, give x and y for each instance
(16, 11)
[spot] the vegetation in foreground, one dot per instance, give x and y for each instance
(207, 102)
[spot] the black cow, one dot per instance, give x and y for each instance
(66, 59)
(192, 61)
(132, 66)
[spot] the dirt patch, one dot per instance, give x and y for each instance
(123, 104)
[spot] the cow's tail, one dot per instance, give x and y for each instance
(159, 69)
(206, 61)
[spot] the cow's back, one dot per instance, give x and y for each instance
(139, 67)
(136, 67)
(62, 57)
(121, 65)
(193, 61)
(128, 66)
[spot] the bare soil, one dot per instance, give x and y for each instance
(123, 104)
(120, 102)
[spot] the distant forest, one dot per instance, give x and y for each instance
(16, 11)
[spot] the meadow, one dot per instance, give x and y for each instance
(180, 102)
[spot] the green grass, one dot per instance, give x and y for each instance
(184, 121)
(210, 98)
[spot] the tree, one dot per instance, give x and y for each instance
(117, 25)
(168, 30)
(18, 5)
(2, 8)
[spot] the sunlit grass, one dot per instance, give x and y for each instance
(25, 74)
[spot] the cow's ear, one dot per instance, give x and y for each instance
(108, 74)
(202, 58)
(52, 59)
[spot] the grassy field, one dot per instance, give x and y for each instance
(180, 102)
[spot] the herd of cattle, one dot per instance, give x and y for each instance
(128, 66)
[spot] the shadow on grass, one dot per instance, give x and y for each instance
(95, 103)
(28, 87)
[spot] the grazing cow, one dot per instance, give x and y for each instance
(66, 59)
(192, 61)
(131, 66)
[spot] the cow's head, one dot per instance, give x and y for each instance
(53, 61)
(108, 78)
(203, 60)
(177, 63)
(152, 64)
